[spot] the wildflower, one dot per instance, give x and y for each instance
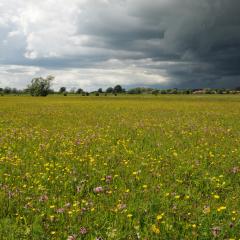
(67, 205)
(83, 231)
(194, 226)
(145, 186)
(108, 179)
(159, 217)
(216, 231)
(155, 229)
(98, 190)
(121, 206)
(206, 209)
(60, 210)
(53, 232)
(235, 170)
(221, 208)
(216, 196)
(129, 215)
(43, 198)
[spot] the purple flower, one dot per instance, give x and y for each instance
(216, 231)
(83, 230)
(98, 190)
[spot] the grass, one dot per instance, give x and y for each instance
(120, 167)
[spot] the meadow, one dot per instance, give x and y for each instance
(125, 167)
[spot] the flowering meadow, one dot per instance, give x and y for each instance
(153, 167)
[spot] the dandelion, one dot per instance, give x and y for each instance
(129, 215)
(155, 229)
(216, 196)
(159, 217)
(221, 208)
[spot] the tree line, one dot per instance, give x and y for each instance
(42, 87)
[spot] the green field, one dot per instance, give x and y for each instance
(164, 167)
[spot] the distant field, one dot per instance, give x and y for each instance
(164, 167)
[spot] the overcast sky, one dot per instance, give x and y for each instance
(101, 43)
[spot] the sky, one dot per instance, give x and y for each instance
(100, 43)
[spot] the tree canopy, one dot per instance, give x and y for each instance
(40, 86)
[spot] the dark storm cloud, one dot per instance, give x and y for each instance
(206, 34)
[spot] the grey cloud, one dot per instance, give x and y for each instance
(190, 43)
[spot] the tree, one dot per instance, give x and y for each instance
(109, 90)
(79, 91)
(40, 86)
(62, 89)
(100, 90)
(117, 89)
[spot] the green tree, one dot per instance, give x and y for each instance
(109, 90)
(117, 89)
(62, 90)
(40, 86)
(79, 91)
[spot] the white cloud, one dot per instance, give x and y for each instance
(114, 72)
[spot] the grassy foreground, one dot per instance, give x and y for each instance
(120, 167)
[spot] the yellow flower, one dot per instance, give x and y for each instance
(175, 154)
(221, 208)
(216, 196)
(155, 229)
(160, 216)
(194, 225)
(129, 215)
(145, 186)
(206, 210)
